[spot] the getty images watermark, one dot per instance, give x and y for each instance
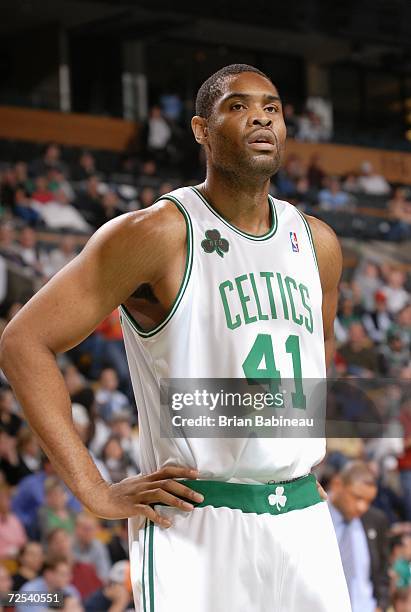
(271, 408)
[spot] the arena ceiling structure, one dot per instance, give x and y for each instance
(375, 32)
(310, 47)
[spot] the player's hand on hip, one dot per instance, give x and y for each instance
(133, 496)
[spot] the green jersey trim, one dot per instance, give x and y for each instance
(276, 498)
(310, 237)
(143, 586)
(269, 234)
(187, 273)
(151, 566)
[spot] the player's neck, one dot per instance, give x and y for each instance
(242, 203)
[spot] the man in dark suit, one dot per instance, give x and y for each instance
(362, 537)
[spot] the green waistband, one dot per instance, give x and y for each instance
(260, 499)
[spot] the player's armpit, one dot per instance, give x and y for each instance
(329, 258)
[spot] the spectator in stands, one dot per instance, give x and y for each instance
(366, 283)
(116, 595)
(50, 159)
(56, 577)
(10, 422)
(109, 209)
(120, 426)
(109, 399)
(404, 460)
(401, 600)
(291, 120)
(42, 194)
(116, 460)
(378, 322)
(61, 255)
(332, 197)
(394, 355)
(71, 604)
(86, 429)
(111, 350)
(370, 182)
(157, 134)
(8, 186)
(310, 128)
(118, 545)
(30, 561)
(8, 457)
(84, 576)
(23, 208)
(22, 457)
(29, 251)
(58, 182)
(89, 201)
(397, 296)
(7, 243)
(359, 353)
(147, 197)
(400, 559)
(60, 214)
(12, 533)
(86, 167)
(346, 315)
(30, 495)
(55, 511)
(304, 195)
(362, 536)
(87, 548)
(315, 172)
(22, 178)
(351, 183)
(171, 105)
(79, 389)
(399, 208)
(402, 324)
(149, 175)
(5, 586)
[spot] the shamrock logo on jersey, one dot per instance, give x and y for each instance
(214, 242)
(278, 499)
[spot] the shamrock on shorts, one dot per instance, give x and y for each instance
(278, 499)
(214, 242)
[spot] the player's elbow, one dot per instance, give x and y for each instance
(11, 344)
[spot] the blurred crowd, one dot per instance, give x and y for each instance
(49, 208)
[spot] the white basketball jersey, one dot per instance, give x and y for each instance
(246, 303)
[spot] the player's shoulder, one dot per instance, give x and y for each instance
(321, 230)
(328, 250)
(161, 224)
(325, 239)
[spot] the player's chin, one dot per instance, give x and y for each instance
(265, 163)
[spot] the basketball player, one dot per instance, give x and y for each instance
(220, 280)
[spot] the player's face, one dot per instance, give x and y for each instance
(246, 131)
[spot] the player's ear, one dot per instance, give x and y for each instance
(200, 130)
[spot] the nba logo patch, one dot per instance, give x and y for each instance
(294, 242)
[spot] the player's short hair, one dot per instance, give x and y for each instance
(213, 87)
(357, 471)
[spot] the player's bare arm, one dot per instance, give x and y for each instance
(329, 258)
(65, 312)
